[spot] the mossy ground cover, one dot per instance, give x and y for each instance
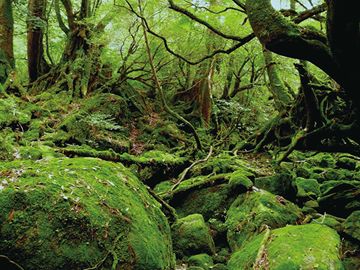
(63, 210)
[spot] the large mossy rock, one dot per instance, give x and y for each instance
(191, 236)
(311, 246)
(80, 213)
(253, 211)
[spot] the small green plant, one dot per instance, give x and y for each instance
(102, 121)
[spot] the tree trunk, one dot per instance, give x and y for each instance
(229, 79)
(277, 88)
(37, 64)
(7, 61)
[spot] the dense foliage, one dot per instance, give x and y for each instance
(179, 134)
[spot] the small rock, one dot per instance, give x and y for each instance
(191, 236)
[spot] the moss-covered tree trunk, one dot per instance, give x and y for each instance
(229, 79)
(201, 91)
(37, 64)
(277, 87)
(7, 61)
(203, 83)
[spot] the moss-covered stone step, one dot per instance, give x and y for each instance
(79, 213)
(311, 246)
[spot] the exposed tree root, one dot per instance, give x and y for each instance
(183, 174)
(318, 120)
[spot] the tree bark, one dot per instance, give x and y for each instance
(37, 64)
(7, 60)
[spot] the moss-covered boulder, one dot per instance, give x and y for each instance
(352, 225)
(253, 211)
(330, 221)
(306, 189)
(80, 213)
(210, 201)
(309, 246)
(191, 236)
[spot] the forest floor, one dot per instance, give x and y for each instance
(102, 183)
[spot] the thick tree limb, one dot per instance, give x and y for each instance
(284, 37)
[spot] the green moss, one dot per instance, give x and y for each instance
(74, 213)
(162, 135)
(346, 163)
(309, 246)
(219, 266)
(222, 163)
(351, 263)
(154, 166)
(156, 157)
(352, 225)
(98, 113)
(303, 172)
(163, 186)
(330, 221)
(251, 212)
(311, 204)
(209, 202)
(241, 178)
(324, 160)
(37, 151)
(213, 200)
(35, 131)
(7, 141)
(14, 111)
(201, 260)
(191, 236)
(279, 184)
(307, 188)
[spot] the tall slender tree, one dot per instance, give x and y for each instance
(7, 60)
(37, 64)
